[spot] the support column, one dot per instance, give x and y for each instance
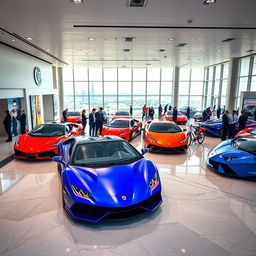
(232, 86)
(175, 87)
(59, 83)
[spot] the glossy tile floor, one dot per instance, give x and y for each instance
(202, 213)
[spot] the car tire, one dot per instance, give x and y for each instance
(189, 140)
(200, 137)
(59, 168)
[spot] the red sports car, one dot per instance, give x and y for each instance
(247, 132)
(123, 127)
(42, 142)
(73, 117)
(121, 114)
(181, 119)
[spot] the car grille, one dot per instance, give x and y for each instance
(226, 168)
(47, 154)
(167, 150)
(20, 153)
(85, 210)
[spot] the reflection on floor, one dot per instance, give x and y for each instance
(202, 213)
(6, 148)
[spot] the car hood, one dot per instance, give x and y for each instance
(166, 138)
(226, 150)
(113, 130)
(112, 181)
(37, 144)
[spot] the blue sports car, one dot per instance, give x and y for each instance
(235, 157)
(106, 177)
(214, 127)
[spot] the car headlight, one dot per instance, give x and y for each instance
(122, 133)
(80, 192)
(184, 140)
(154, 182)
(17, 142)
(55, 144)
(151, 139)
(212, 153)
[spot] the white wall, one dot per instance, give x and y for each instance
(17, 77)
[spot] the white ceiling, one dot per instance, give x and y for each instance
(50, 24)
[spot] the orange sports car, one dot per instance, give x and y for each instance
(165, 136)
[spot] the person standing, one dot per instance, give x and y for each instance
(92, 122)
(232, 124)
(218, 112)
(242, 120)
(225, 125)
(84, 120)
(160, 111)
(188, 112)
(152, 112)
(144, 108)
(131, 110)
(165, 108)
(7, 125)
(65, 115)
(170, 108)
(23, 121)
(99, 121)
(174, 115)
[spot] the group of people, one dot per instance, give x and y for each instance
(96, 120)
(229, 122)
(148, 112)
(11, 123)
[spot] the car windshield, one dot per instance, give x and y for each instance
(104, 153)
(245, 144)
(164, 128)
(73, 114)
(122, 113)
(48, 130)
(170, 113)
(118, 124)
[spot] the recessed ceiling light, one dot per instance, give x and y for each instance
(126, 50)
(204, 50)
(47, 50)
(13, 40)
(181, 44)
(76, 1)
(148, 64)
(162, 50)
(29, 38)
(209, 2)
(193, 39)
(218, 51)
(171, 39)
(129, 39)
(91, 38)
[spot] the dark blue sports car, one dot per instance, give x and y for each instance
(106, 177)
(235, 157)
(214, 127)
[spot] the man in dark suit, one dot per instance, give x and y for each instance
(225, 125)
(174, 114)
(99, 121)
(131, 110)
(92, 122)
(242, 120)
(7, 125)
(65, 115)
(165, 108)
(218, 112)
(23, 122)
(188, 112)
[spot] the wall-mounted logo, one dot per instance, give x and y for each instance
(37, 76)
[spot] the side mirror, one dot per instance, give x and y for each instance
(144, 151)
(184, 130)
(58, 159)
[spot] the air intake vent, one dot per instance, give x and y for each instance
(129, 39)
(181, 45)
(227, 40)
(137, 3)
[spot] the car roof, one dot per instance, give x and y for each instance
(91, 139)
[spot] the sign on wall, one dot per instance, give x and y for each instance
(37, 76)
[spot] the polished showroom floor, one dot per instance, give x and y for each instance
(202, 213)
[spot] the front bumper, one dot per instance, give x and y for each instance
(93, 213)
(36, 155)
